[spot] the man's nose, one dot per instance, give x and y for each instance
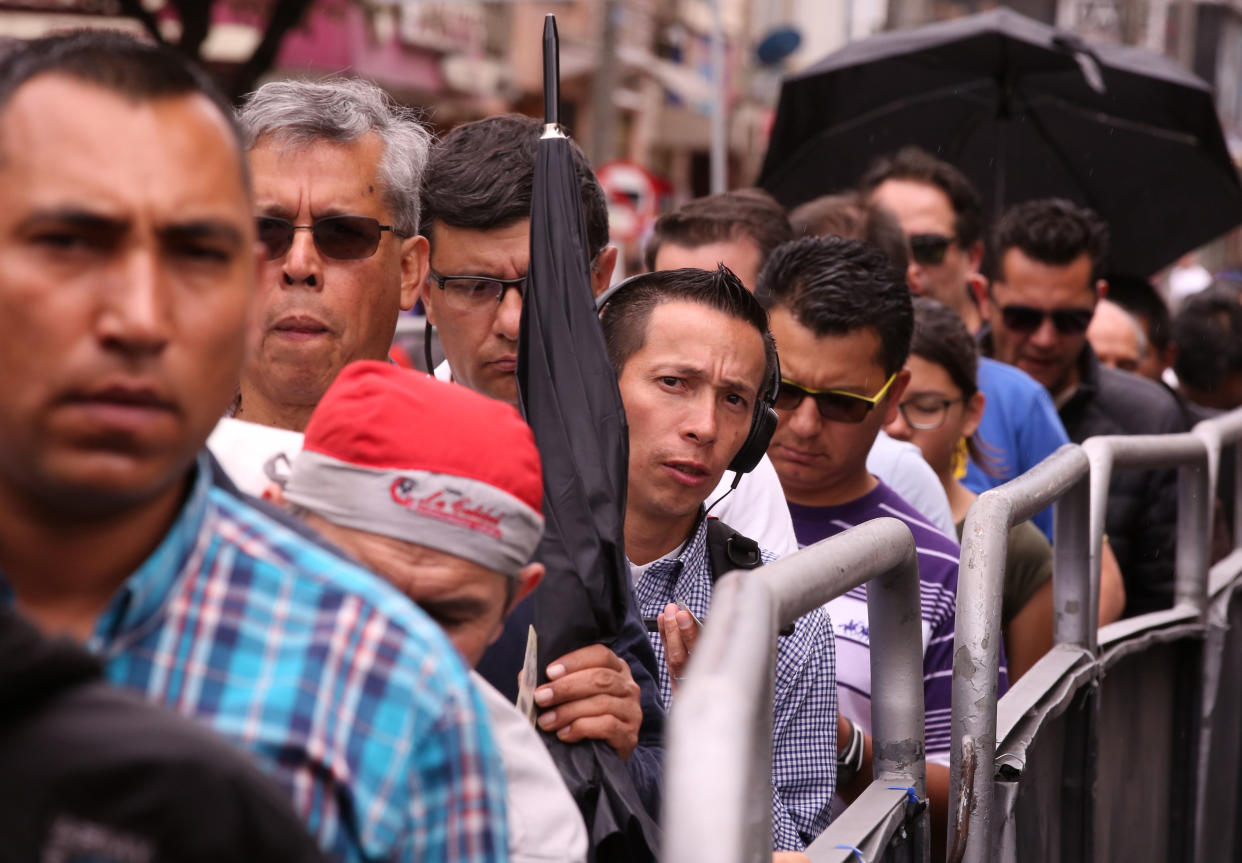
(137, 305)
(509, 314)
(804, 420)
(700, 422)
(1045, 334)
(302, 265)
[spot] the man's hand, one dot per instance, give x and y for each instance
(680, 632)
(592, 695)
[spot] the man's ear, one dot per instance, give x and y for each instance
(415, 261)
(601, 274)
(528, 579)
(895, 392)
(975, 255)
(978, 284)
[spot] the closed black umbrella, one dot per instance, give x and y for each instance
(568, 393)
(1026, 111)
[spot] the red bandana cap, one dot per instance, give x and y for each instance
(399, 453)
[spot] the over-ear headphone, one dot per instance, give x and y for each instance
(762, 422)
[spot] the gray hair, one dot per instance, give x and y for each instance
(343, 110)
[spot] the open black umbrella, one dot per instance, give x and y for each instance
(1026, 111)
(568, 393)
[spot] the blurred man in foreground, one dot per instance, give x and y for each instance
(127, 267)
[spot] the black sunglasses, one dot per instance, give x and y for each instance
(929, 249)
(344, 238)
(1027, 319)
(834, 405)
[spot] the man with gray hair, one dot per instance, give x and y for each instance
(337, 167)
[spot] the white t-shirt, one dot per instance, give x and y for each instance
(901, 466)
(243, 448)
(545, 825)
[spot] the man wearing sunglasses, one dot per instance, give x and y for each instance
(942, 217)
(842, 316)
(940, 212)
(336, 166)
(1049, 277)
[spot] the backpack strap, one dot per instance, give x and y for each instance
(728, 550)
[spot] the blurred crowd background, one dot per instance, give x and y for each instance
(642, 79)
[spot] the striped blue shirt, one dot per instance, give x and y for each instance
(804, 719)
(350, 695)
(938, 559)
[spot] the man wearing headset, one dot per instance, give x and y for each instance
(696, 366)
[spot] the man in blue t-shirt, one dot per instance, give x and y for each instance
(842, 316)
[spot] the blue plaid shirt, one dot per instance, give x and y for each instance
(804, 721)
(350, 695)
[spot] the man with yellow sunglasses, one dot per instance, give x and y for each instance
(842, 318)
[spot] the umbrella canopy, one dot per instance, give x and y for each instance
(568, 393)
(1026, 111)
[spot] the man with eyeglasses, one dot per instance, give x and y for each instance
(1050, 258)
(940, 212)
(336, 166)
(843, 318)
(476, 217)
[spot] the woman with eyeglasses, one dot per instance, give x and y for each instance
(939, 412)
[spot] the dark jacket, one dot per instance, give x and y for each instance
(1142, 504)
(93, 773)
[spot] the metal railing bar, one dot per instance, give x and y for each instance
(976, 645)
(1132, 627)
(718, 759)
(721, 806)
(868, 824)
(1220, 432)
(1062, 661)
(1189, 453)
(1225, 574)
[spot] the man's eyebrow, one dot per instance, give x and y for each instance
(203, 229)
(690, 371)
(75, 217)
(454, 606)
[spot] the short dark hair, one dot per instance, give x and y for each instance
(850, 215)
(1208, 335)
(1052, 231)
(625, 316)
(1141, 299)
(749, 213)
(128, 67)
(917, 165)
(834, 286)
(481, 176)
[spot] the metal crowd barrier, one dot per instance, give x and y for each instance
(1047, 689)
(1119, 745)
(718, 792)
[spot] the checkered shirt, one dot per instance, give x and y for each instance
(352, 698)
(804, 722)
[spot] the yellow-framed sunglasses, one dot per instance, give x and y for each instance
(834, 405)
